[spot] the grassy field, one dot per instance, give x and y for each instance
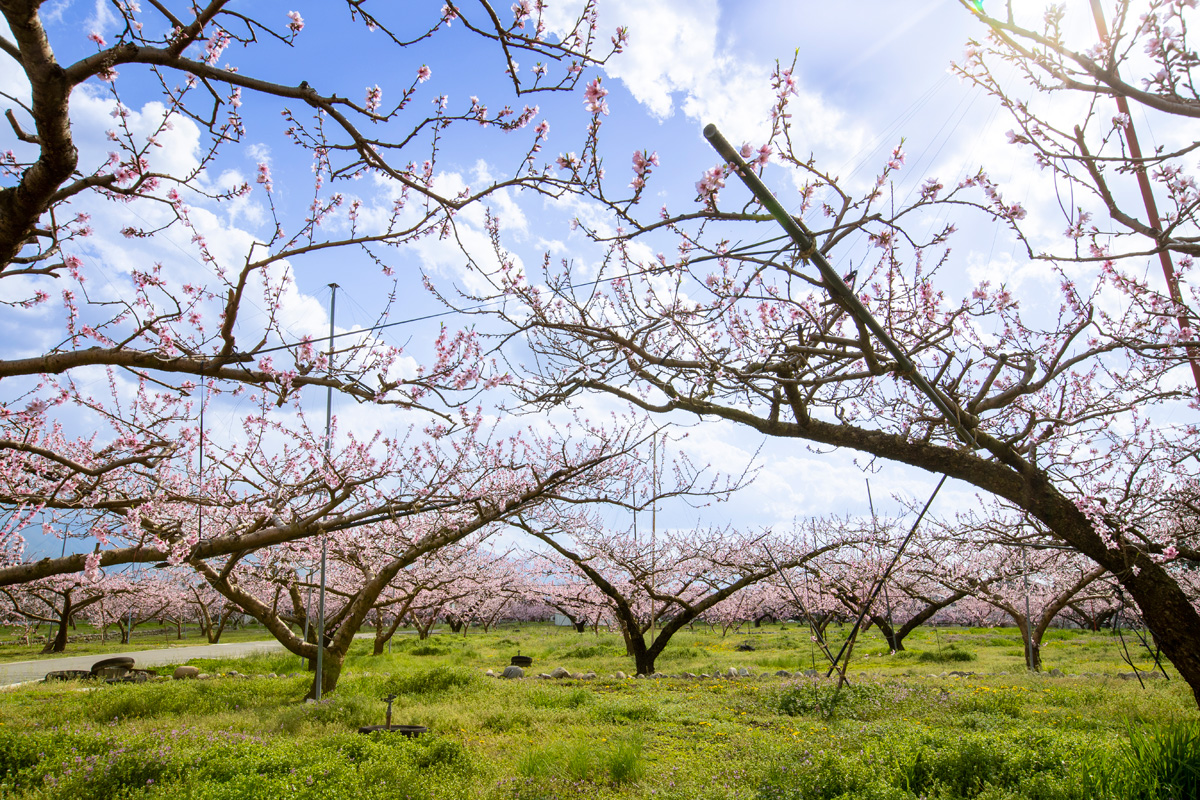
(896, 732)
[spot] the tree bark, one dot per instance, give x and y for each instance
(1164, 606)
(58, 643)
(331, 670)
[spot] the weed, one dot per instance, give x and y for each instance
(428, 650)
(184, 698)
(859, 701)
(538, 764)
(1160, 762)
(555, 698)
(948, 654)
(625, 713)
(434, 681)
(505, 721)
(623, 761)
(338, 710)
(620, 762)
(587, 651)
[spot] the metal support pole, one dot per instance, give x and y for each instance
(836, 287)
(1028, 620)
(890, 638)
(320, 678)
(129, 637)
(200, 468)
(849, 643)
(307, 609)
(653, 528)
(816, 636)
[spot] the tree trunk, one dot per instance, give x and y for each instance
(895, 642)
(380, 638)
(59, 643)
(214, 636)
(643, 659)
(384, 633)
(331, 670)
(1031, 643)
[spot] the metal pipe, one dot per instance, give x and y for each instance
(320, 678)
(1029, 659)
(882, 578)
(816, 634)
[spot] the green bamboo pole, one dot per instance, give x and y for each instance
(834, 283)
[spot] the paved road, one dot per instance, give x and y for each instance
(21, 671)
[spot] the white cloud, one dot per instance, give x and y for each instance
(675, 60)
(52, 13)
(102, 18)
(680, 58)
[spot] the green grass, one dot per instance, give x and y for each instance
(950, 654)
(894, 733)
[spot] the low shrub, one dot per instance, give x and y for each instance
(951, 653)
(823, 699)
(433, 681)
(428, 650)
(505, 721)
(559, 698)
(235, 766)
(184, 698)
(618, 762)
(623, 761)
(1008, 702)
(587, 651)
(1160, 762)
(18, 751)
(932, 765)
(625, 712)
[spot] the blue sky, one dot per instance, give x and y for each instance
(870, 73)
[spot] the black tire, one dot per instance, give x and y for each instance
(129, 677)
(111, 673)
(522, 661)
(124, 662)
(411, 731)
